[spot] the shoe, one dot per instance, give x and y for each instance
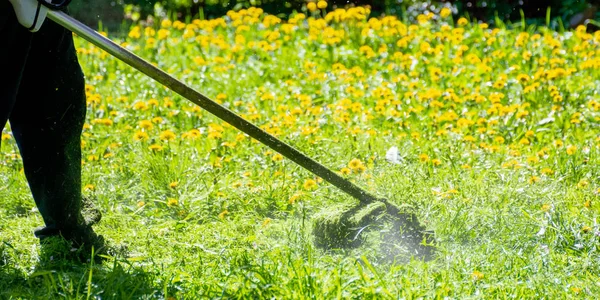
(82, 245)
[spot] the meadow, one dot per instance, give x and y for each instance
(489, 135)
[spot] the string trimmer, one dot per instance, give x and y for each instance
(334, 229)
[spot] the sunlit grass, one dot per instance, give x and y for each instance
(497, 137)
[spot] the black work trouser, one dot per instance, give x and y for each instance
(42, 95)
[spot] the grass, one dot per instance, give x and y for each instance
(497, 131)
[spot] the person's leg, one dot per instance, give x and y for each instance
(47, 121)
(12, 58)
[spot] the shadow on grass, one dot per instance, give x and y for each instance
(66, 279)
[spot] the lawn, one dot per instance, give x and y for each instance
(490, 136)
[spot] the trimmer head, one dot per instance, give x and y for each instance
(341, 226)
(394, 231)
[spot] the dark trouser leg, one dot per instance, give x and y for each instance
(47, 121)
(12, 58)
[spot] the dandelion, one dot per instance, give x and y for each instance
(571, 149)
(311, 6)
(140, 105)
(533, 179)
(547, 171)
(89, 187)
(436, 162)
(583, 183)
(309, 184)
(192, 134)
(145, 124)
(266, 222)
(295, 197)
(155, 147)
(223, 214)
(140, 204)
(586, 229)
(445, 12)
(546, 207)
(167, 135)
(476, 275)
(355, 164)
(424, 157)
(172, 202)
(5, 136)
(345, 171)
(322, 4)
(140, 136)
(277, 157)
(163, 34)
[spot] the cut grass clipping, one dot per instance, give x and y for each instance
(395, 233)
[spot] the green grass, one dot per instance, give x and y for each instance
(503, 168)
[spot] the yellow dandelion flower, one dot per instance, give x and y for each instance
(445, 12)
(424, 157)
(345, 171)
(571, 149)
(583, 183)
(311, 6)
(145, 124)
(140, 204)
(309, 184)
(172, 202)
(322, 4)
(140, 136)
(173, 184)
(436, 162)
(223, 214)
(155, 147)
(533, 179)
(163, 34)
(533, 160)
(546, 207)
(586, 229)
(277, 157)
(547, 171)
(5, 136)
(462, 22)
(295, 197)
(167, 135)
(476, 275)
(166, 23)
(266, 222)
(89, 187)
(140, 105)
(355, 164)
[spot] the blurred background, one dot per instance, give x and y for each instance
(118, 14)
